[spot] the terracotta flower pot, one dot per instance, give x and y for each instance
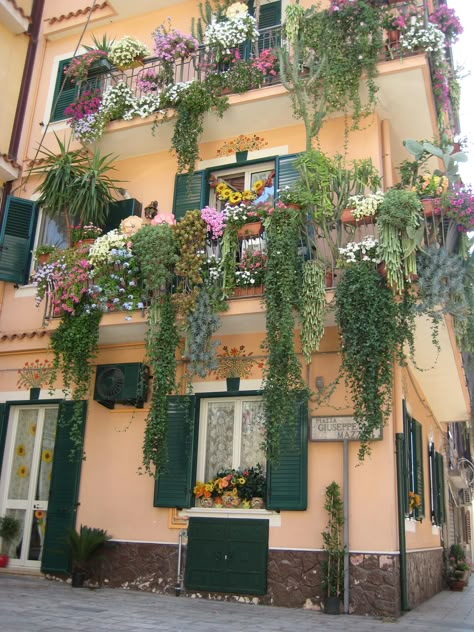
(253, 229)
(42, 259)
(347, 217)
(428, 207)
(248, 291)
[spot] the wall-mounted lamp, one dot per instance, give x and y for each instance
(320, 383)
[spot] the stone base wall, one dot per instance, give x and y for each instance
(294, 577)
(425, 571)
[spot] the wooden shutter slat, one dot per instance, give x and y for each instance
(118, 211)
(17, 234)
(68, 93)
(189, 193)
(286, 171)
(419, 474)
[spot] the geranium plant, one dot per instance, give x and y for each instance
(446, 20)
(169, 44)
(237, 215)
(234, 362)
(86, 103)
(243, 142)
(34, 374)
(79, 67)
(88, 231)
(251, 269)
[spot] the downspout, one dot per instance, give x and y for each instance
(33, 33)
(179, 574)
(400, 441)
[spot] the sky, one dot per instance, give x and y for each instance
(463, 56)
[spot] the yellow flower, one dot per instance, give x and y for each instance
(248, 195)
(39, 514)
(221, 187)
(47, 456)
(20, 450)
(33, 429)
(235, 197)
(257, 185)
(22, 471)
(241, 480)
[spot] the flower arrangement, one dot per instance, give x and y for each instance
(365, 205)
(170, 44)
(461, 207)
(115, 285)
(446, 20)
(251, 269)
(79, 233)
(237, 215)
(428, 38)
(148, 80)
(244, 484)
(266, 63)
(242, 143)
(127, 51)
(414, 502)
(225, 194)
(430, 186)
(35, 374)
(228, 34)
(356, 251)
(234, 362)
(101, 249)
(86, 103)
(79, 67)
(215, 221)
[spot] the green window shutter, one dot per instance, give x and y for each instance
(287, 479)
(227, 555)
(407, 470)
(68, 93)
(190, 192)
(63, 495)
(270, 15)
(173, 486)
(286, 171)
(17, 234)
(119, 211)
(418, 467)
(440, 516)
(3, 431)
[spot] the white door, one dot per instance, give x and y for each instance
(26, 479)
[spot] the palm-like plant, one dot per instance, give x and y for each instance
(85, 544)
(76, 184)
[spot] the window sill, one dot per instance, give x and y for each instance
(410, 525)
(273, 517)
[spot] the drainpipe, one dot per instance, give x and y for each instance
(400, 439)
(33, 33)
(179, 574)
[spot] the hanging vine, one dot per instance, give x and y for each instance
(313, 308)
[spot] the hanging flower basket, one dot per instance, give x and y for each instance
(347, 217)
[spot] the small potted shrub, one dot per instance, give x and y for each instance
(43, 253)
(333, 565)
(84, 546)
(9, 530)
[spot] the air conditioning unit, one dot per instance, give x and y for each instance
(121, 384)
(466, 496)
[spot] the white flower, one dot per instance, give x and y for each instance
(236, 10)
(365, 205)
(127, 50)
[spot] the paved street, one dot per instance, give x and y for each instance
(28, 604)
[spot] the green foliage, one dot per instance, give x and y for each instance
(161, 342)
(9, 529)
(242, 76)
(155, 249)
(423, 150)
(85, 545)
(374, 327)
(333, 566)
(313, 308)
(283, 382)
(202, 324)
(190, 238)
(74, 345)
(76, 183)
(399, 233)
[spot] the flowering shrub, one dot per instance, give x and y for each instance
(227, 35)
(251, 269)
(365, 205)
(101, 249)
(170, 44)
(115, 286)
(65, 282)
(446, 20)
(34, 374)
(461, 208)
(234, 362)
(242, 143)
(89, 128)
(429, 39)
(266, 63)
(89, 231)
(215, 221)
(79, 67)
(126, 51)
(356, 251)
(86, 103)
(340, 5)
(429, 185)
(239, 214)
(244, 484)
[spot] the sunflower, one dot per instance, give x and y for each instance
(47, 456)
(248, 195)
(235, 197)
(22, 471)
(33, 429)
(20, 450)
(39, 514)
(258, 185)
(221, 187)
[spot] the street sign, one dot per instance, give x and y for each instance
(337, 429)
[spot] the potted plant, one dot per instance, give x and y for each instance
(458, 570)
(80, 66)
(234, 363)
(84, 546)
(235, 27)
(128, 53)
(34, 375)
(333, 565)
(362, 208)
(230, 488)
(84, 235)
(9, 529)
(43, 252)
(429, 187)
(250, 271)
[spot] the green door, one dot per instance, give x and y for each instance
(227, 555)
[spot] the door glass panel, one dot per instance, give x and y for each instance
(46, 454)
(220, 433)
(38, 528)
(252, 434)
(23, 454)
(13, 548)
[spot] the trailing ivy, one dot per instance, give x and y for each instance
(74, 345)
(161, 343)
(374, 328)
(282, 377)
(313, 308)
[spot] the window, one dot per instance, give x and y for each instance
(230, 435)
(65, 94)
(436, 474)
(414, 476)
(257, 178)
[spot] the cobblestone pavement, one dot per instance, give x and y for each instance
(34, 604)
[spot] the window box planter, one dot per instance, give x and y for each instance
(248, 291)
(348, 218)
(253, 229)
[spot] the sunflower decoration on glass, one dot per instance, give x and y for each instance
(230, 195)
